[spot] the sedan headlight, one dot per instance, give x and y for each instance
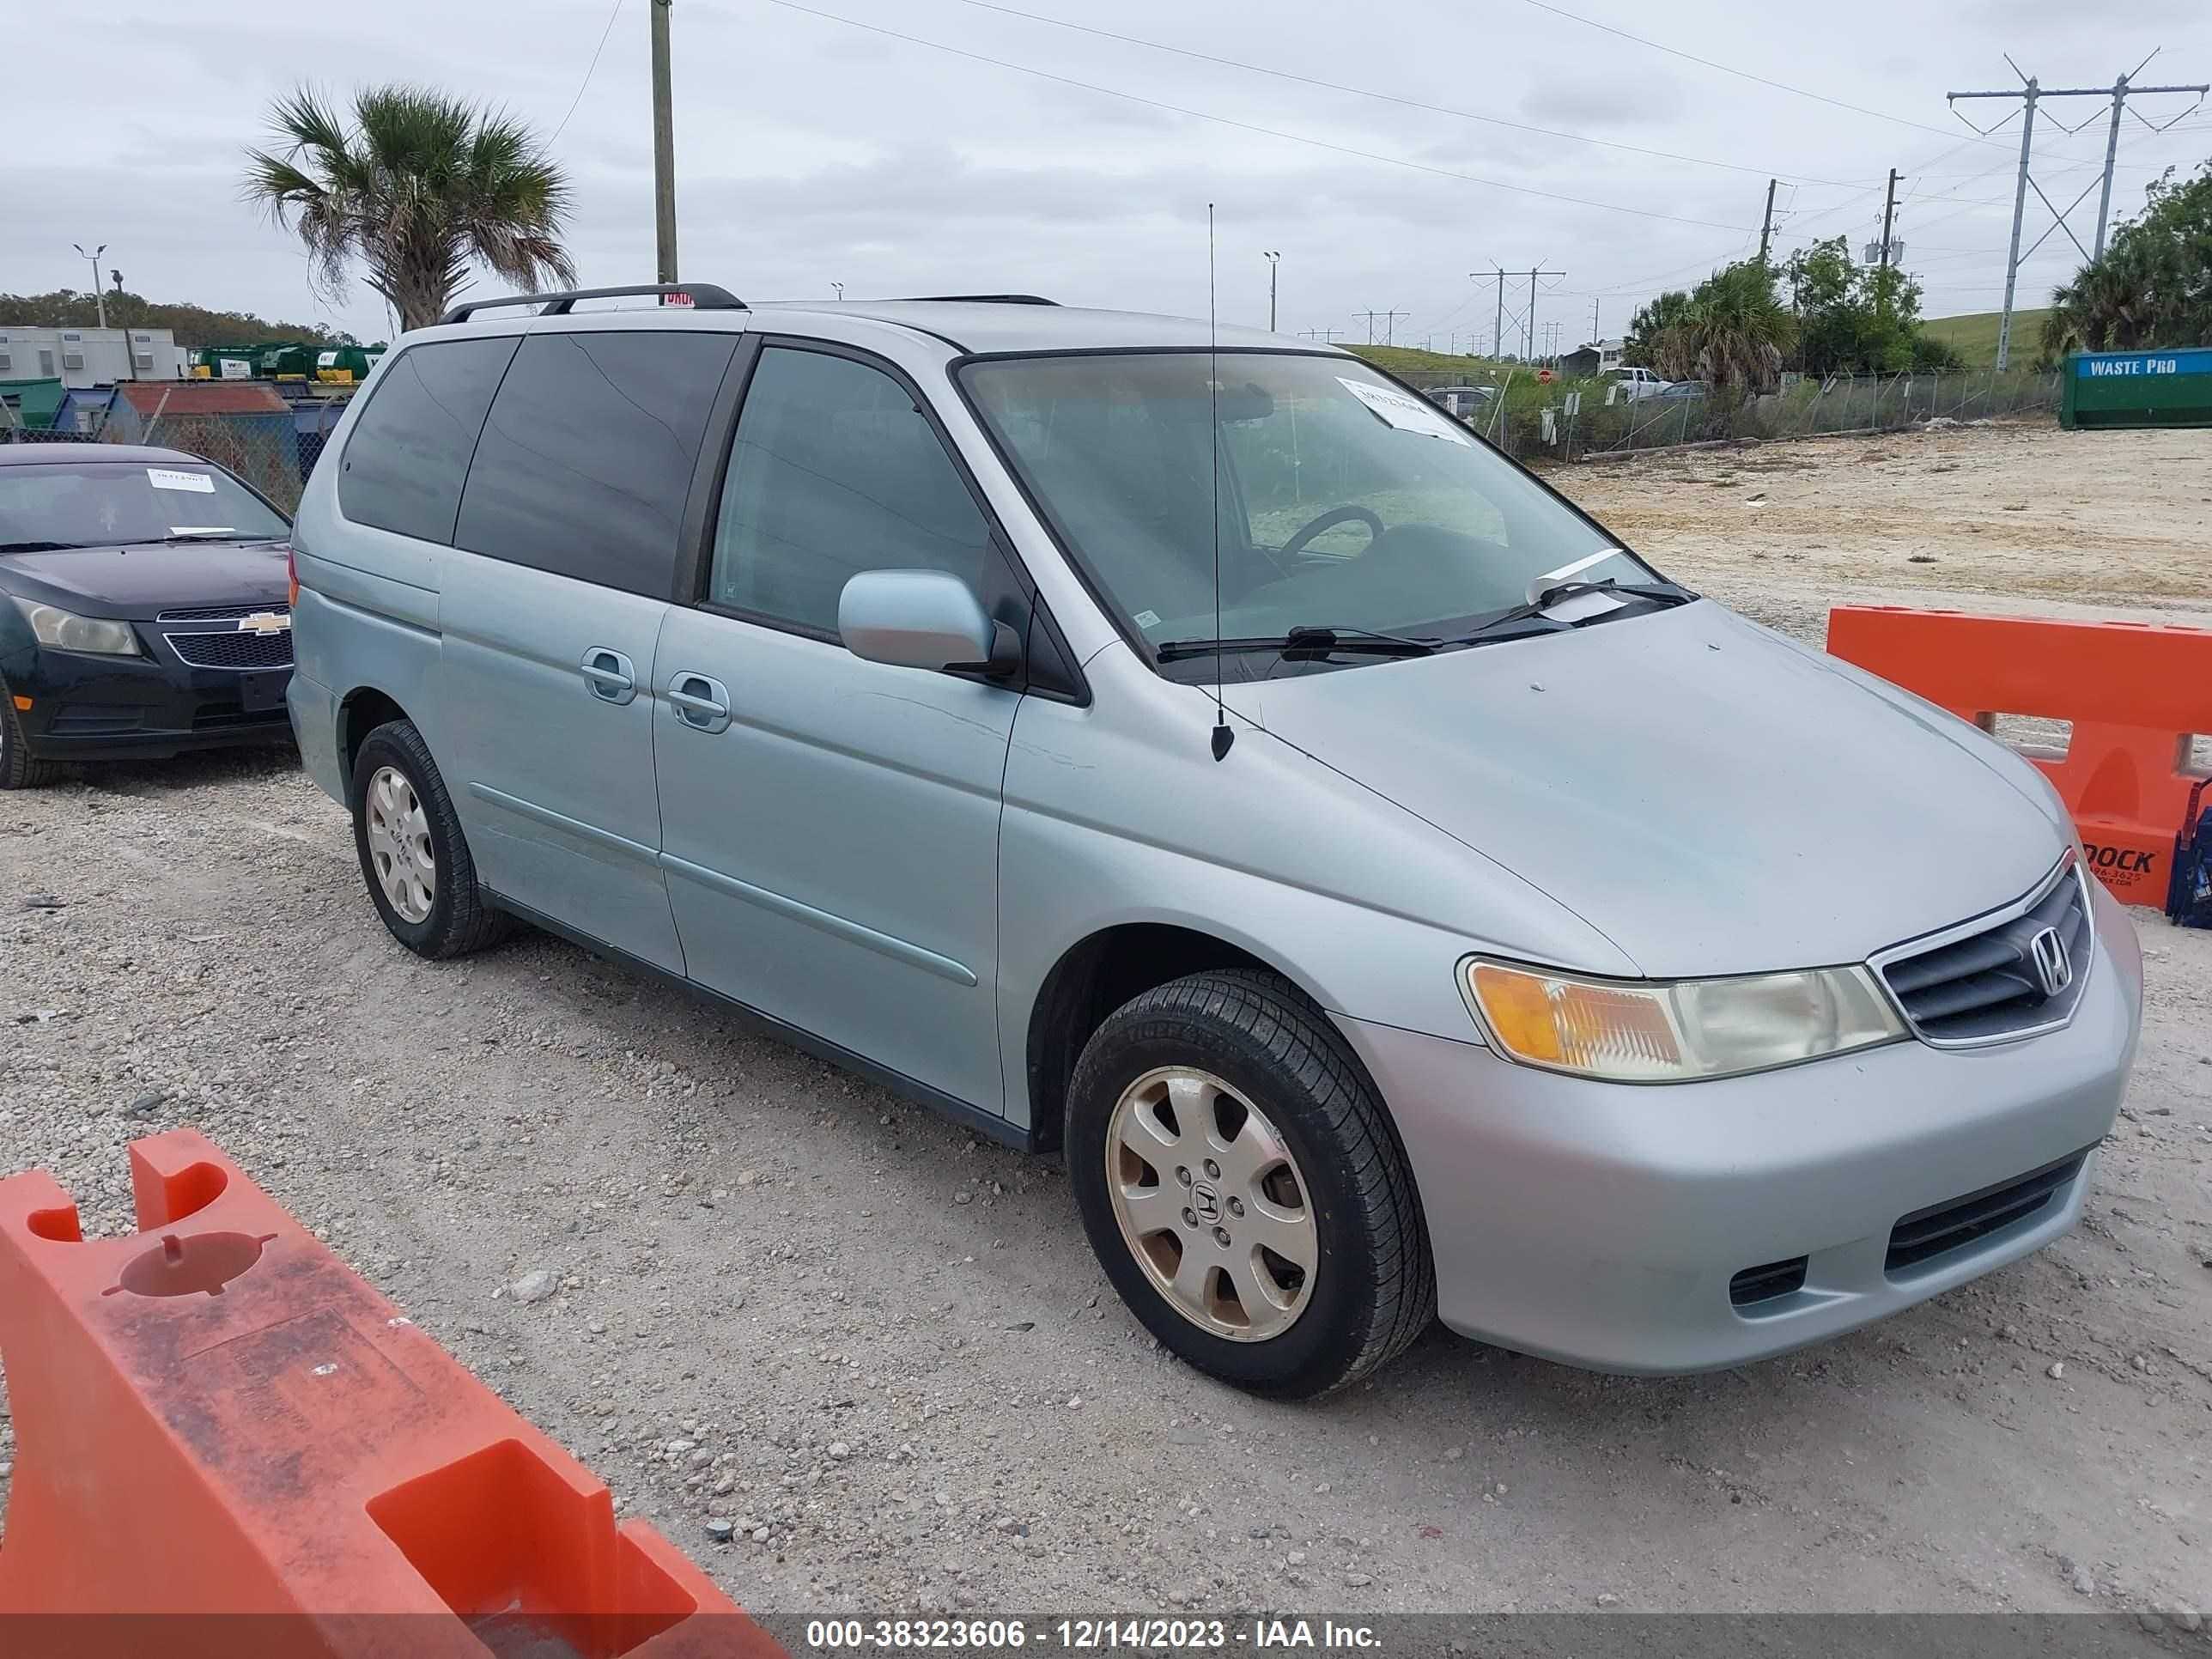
(1674, 1032)
(65, 631)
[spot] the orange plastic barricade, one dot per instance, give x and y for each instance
(2136, 693)
(217, 1418)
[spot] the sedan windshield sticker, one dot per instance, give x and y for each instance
(1407, 414)
(198, 483)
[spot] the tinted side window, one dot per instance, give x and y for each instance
(586, 461)
(833, 472)
(409, 452)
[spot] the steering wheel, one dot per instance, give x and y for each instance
(1329, 521)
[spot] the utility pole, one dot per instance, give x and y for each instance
(99, 293)
(1497, 333)
(664, 148)
(1766, 224)
(1531, 322)
(1594, 333)
(1888, 215)
(2031, 94)
(1273, 261)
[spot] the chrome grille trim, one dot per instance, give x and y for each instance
(226, 613)
(2051, 1015)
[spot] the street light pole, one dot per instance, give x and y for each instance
(99, 293)
(1273, 260)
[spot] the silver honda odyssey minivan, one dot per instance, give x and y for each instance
(1204, 758)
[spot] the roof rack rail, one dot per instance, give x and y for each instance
(706, 297)
(976, 300)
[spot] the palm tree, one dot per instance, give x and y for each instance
(417, 188)
(1732, 333)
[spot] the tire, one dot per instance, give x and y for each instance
(456, 919)
(1275, 1056)
(19, 768)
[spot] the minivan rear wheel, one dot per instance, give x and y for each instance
(1241, 1186)
(414, 858)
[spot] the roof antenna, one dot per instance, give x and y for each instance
(1223, 735)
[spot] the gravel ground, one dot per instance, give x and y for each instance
(881, 1348)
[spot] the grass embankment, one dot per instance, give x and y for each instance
(1974, 336)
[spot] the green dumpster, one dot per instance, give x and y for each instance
(2137, 388)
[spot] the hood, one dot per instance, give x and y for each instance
(1711, 796)
(140, 582)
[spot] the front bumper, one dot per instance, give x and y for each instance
(1601, 1224)
(87, 707)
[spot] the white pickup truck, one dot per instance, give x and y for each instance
(1632, 384)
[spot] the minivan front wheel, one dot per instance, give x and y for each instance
(414, 858)
(1241, 1184)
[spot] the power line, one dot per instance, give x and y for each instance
(1388, 97)
(589, 70)
(1246, 126)
(1746, 74)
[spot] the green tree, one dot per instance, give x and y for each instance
(1640, 345)
(194, 325)
(1857, 319)
(2153, 286)
(416, 187)
(1730, 331)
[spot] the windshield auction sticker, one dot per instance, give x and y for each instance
(1407, 414)
(198, 483)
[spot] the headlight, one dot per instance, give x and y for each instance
(66, 631)
(1674, 1031)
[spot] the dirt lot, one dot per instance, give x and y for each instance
(883, 1348)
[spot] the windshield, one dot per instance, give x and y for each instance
(1344, 501)
(94, 503)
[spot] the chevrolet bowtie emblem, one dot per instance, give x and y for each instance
(264, 622)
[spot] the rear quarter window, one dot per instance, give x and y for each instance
(409, 453)
(586, 459)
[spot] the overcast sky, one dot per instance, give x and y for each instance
(810, 151)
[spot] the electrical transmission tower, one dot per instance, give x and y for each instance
(1527, 320)
(1389, 319)
(2030, 94)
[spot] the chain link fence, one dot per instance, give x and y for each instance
(273, 452)
(1571, 420)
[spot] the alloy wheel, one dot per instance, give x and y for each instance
(1211, 1204)
(399, 844)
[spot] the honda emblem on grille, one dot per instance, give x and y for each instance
(264, 622)
(2054, 970)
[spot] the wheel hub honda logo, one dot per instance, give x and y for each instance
(1206, 1202)
(2054, 969)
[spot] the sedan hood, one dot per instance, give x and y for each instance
(141, 581)
(1711, 796)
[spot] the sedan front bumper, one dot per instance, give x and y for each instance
(88, 707)
(1601, 1223)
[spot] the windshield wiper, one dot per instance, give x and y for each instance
(1525, 619)
(40, 547)
(199, 535)
(1321, 641)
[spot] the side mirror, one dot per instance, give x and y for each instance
(922, 619)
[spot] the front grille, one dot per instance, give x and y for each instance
(233, 650)
(1765, 1282)
(226, 613)
(1954, 1224)
(1980, 983)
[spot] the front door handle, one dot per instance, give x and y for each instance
(701, 702)
(610, 674)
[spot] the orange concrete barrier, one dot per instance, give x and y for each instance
(217, 1418)
(2136, 693)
